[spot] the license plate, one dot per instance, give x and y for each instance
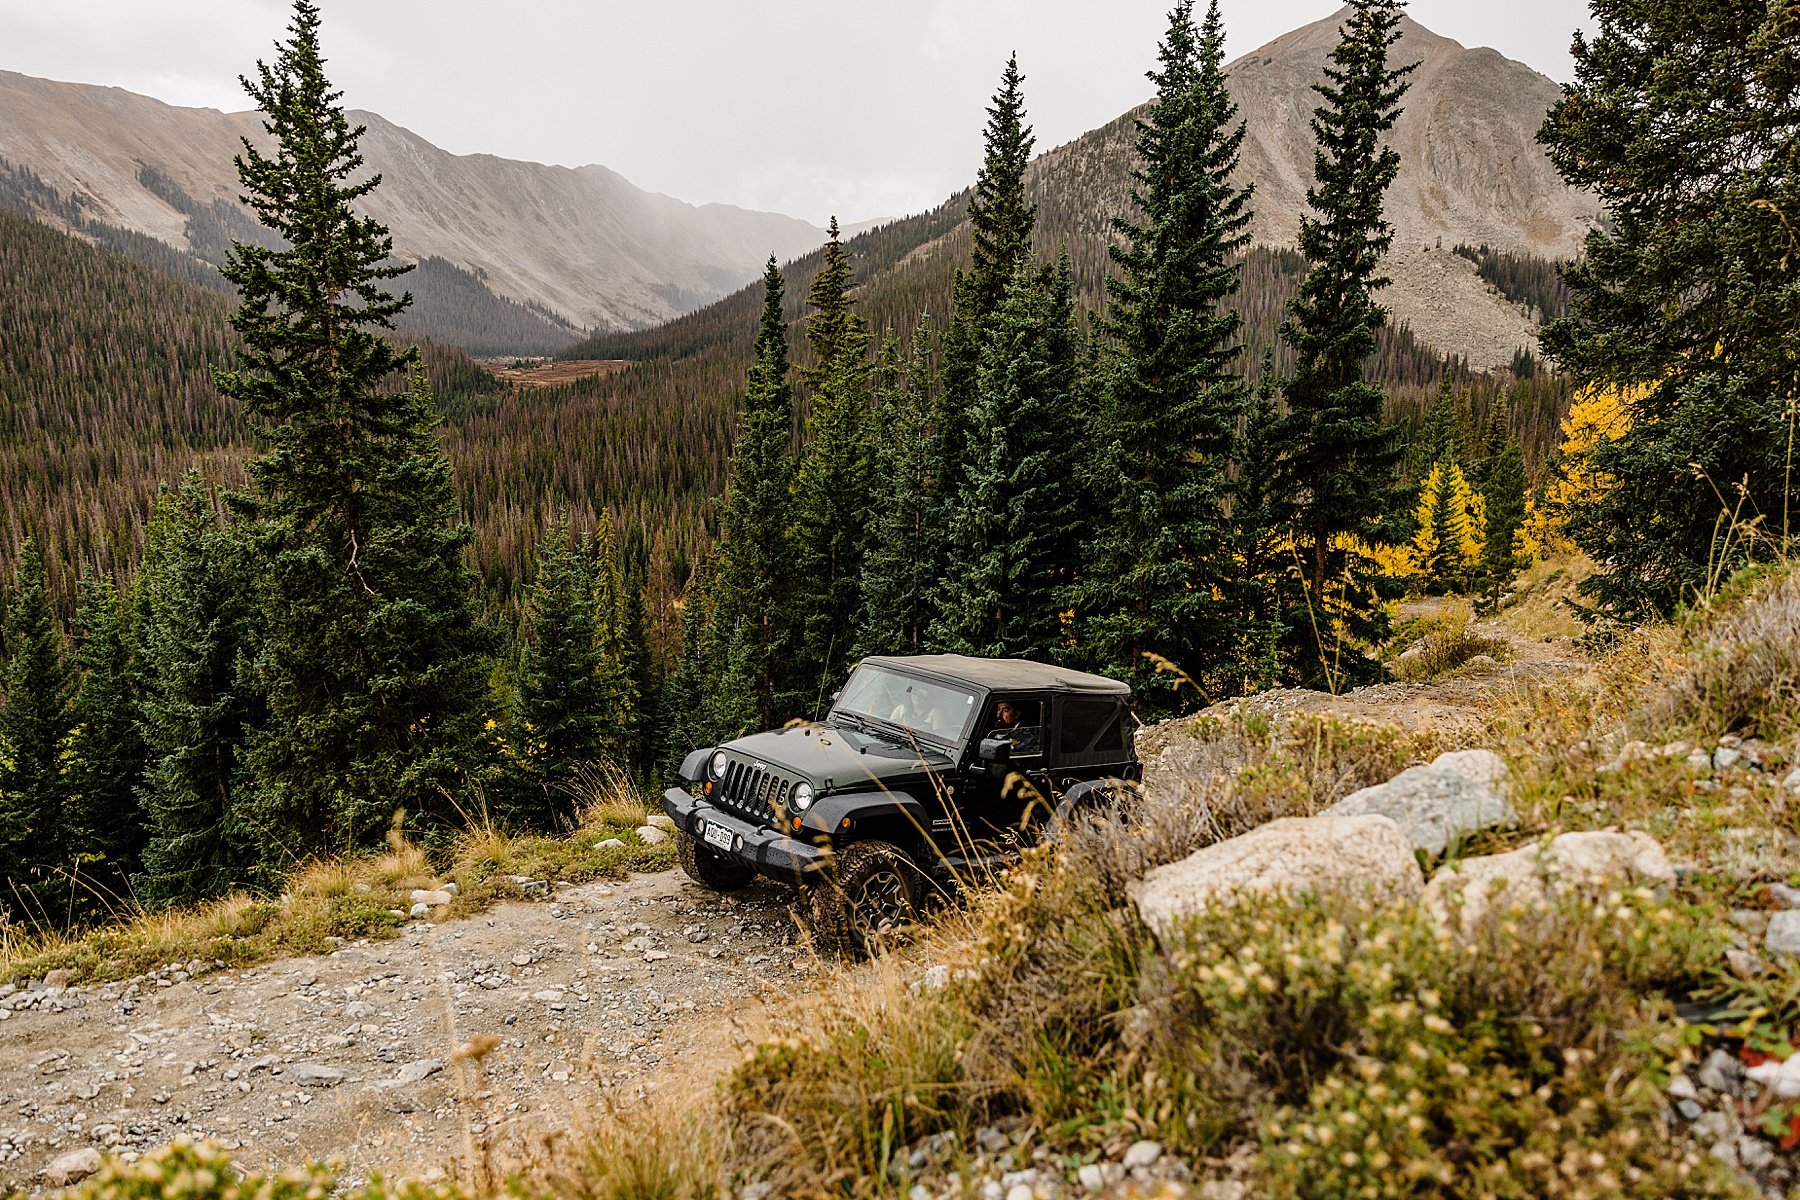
(717, 835)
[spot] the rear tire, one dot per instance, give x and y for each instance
(710, 869)
(872, 892)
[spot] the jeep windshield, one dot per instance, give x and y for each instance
(900, 706)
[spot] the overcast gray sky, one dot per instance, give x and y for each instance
(809, 107)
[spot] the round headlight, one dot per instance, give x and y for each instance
(803, 797)
(717, 766)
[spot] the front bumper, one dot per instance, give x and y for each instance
(771, 852)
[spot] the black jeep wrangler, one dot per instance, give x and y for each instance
(927, 771)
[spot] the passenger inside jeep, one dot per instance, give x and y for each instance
(1021, 723)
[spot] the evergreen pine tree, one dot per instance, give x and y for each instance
(35, 720)
(1001, 222)
(566, 715)
(831, 491)
(755, 560)
(639, 686)
(899, 571)
(1338, 460)
(1506, 490)
(197, 706)
(106, 758)
(1681, 120)
(1256, 534)
(369, 650)
(1161, 577)
(1016, 523)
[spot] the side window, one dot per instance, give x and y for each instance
(1020, 721)
(1091, 727)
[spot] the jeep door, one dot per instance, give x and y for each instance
(1091, 738)
(998, 805)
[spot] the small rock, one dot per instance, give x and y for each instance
(419, 910)
(617, 844)
(663, 822)
(1782, 894)
(650, 835)
(521, 960)
(991, 1139)
(1021, 1191)
(1689, 1109)
(435, 898)
(1721, 1072)
(1682, 1088)
(1094, 1177)
(72, 1167)
(1142, 1154)
(1725, 757)
(1700, 760)
(314, 1075)
(58, 978)
(1792, 782)
(416, 1072)
(1744, 964)
(1783, 936)
(359, 1010)
(452, 888)
(1717, 1126)
(935, 978)
(1755, 1153)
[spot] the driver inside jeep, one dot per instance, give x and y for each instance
(1009, 723)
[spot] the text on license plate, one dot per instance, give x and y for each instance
(718, 835)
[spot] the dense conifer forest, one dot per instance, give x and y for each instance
(275, 579)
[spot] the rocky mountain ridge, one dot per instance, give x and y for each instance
(582, 245)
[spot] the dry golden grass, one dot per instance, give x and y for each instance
(1542, 598)
(345, 898)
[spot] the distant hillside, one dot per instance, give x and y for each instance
(106, 392)
(580, 248)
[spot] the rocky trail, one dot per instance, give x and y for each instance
(454, 1043)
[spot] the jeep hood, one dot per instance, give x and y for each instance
(838, 760)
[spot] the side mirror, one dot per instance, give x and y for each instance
(835, 696)
(995, 750)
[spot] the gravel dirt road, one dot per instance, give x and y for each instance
(453, 1044)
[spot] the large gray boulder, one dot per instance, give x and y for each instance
(1461, 895)
(1456, 795)
(1354, 856)
(72, 1167)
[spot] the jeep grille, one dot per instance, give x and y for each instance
(754, 791)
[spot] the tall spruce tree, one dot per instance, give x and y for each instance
(1161, 577)
(196, 589)
(1504, 515)
(1256, 534)
(1001, 222)
(35, 720)
(900, 568)
(831, 488)
(106, 758)
(750, 591)
(1681, 119)
(1016, 526)
(1338, 458)
(567, 716)
(369, 648)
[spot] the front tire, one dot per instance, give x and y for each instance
(710, 869)
(871, 893)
